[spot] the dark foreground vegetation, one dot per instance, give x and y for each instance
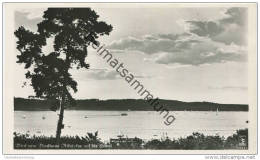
(196, 141)
(22, 104)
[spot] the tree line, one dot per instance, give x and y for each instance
(126, 104)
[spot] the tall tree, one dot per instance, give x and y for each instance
(69, 28)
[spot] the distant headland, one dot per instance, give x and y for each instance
(22, 104)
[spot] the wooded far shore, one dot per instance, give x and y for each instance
(22, 104)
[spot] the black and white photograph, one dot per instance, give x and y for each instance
(145, 78)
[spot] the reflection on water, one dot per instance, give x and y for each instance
(142, 124)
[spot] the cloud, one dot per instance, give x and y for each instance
(25, 18)
(33, 13)
(232, 28)
(151, 44)
(99, 74)
(229, 88)
(143, 76)
(205, 52)
(98, 69)
(205, 28)
(116, 51)
(207, 58)
(105, 74)
(184, 49)
(204, 42)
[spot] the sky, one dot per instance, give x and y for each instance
(187, 54)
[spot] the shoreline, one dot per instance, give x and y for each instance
(126, 104)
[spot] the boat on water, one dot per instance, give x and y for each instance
(86, 117)
(24, 116)
(38, 132)
(43, 117)
(120, 135)
(123, 114)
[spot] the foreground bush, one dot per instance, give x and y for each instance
(196, 141)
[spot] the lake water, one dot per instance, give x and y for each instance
(142, 124)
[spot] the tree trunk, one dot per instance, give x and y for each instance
(60, 125)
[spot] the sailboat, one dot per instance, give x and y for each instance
(123, 114)
(38, 131)
(217, 112)
(120, 135)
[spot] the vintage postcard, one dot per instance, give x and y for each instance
(130, 78)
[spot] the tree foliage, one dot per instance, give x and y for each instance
(68, 28)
